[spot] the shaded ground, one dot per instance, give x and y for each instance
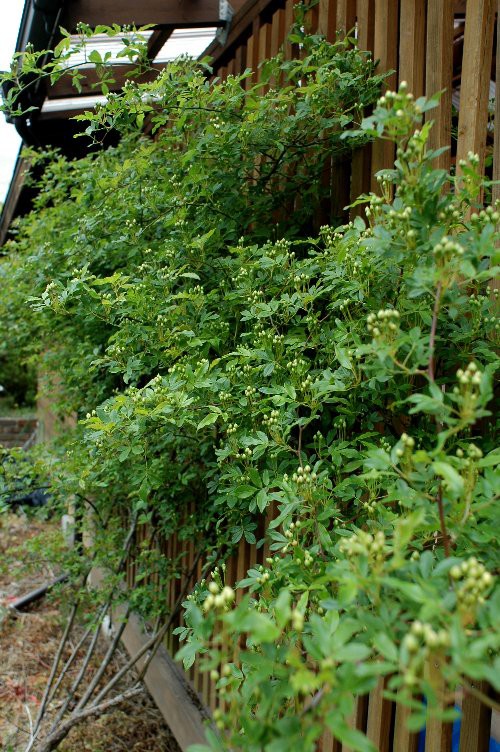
(28, 642)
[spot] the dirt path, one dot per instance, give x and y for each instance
(28, 642)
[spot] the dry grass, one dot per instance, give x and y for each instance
(28, 642)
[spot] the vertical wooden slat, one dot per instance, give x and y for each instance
(385, 47)
(412, 45)
(249, 60)
(264, 45)
(277, 31)
(404, 740)
(346, 15)
(327, 19)
(496, 148)
(290, 49)
(378, 726)
(365, 12)
(240, 59)
(329, 743)
(475, 83)
(439, 72)
(230, 67)
(358, 717)
(437, 733)
(476, 722)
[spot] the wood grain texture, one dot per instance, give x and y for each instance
(358, 717)
(475, 84)
(346, 15)
(404, 740)
(327, 19)
(385, 49)
(412, 45)
(476, 722)
(439, 73)
(496, 148)
(277, 31)
(437, 733)
(378, 727)
(160, 12)
(365, 11)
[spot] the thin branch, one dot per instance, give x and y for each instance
(105, 662)
(55, 666)
(54, 740)
(152, 644)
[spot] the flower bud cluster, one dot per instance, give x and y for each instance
(421, 640)
(297, 366)
(408, 445)
(472, 159)
(231, 428)
(474, 581)
(485, 216)
(218, 598)
(370, 506)
(329, 235)
(471, 376)
(304, 475)
(250, 391)
(365, 544)
(291, 533)
(300, 279)
(264, 576)
(271, 421)
(447, 249)
(473, 453)
(384, 324)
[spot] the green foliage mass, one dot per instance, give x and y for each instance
(228, 354)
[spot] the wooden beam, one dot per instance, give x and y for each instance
(157, 12)
(10, 207)
(242, 26)
(157, 39)
(90, 83)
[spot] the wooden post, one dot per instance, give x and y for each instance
(439, 73)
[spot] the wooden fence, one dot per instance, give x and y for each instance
(434, 45)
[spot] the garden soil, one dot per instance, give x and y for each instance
(28, 642)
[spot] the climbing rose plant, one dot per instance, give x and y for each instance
(327, 393)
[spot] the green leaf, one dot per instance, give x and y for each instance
(385, 646)
(208, 420)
